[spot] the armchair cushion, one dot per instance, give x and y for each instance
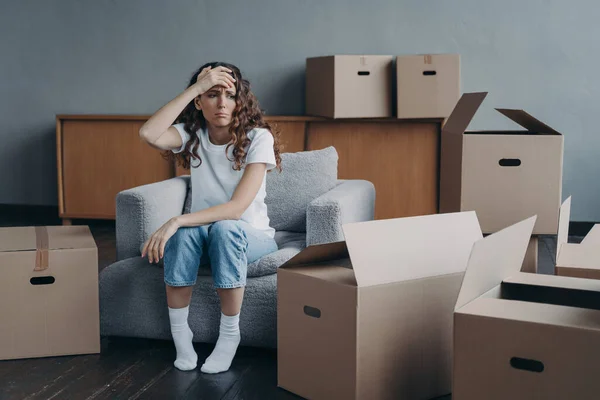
(305, 176)
(350, 201)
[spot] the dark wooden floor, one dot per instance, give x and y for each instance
(138, 368)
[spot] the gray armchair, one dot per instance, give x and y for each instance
(307, 205)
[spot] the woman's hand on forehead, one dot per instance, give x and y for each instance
(209, 78)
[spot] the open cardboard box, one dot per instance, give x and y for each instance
(371, 317)
(521, 171)
(523, 336)
(577, 260)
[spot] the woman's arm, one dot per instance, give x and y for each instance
(157, 131)
(242, 197)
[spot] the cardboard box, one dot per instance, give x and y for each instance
(48, 292)
(428, 85)
(505, 176)
(572, 259)
(371, 317)
(520, 335)
(349, 86)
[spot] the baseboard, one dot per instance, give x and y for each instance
(20, 208)
(18, 214)
(23, 215)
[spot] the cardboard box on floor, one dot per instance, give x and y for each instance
(520, 335)
(577, 260)
(505, 176)
(48, 292)
(428, 85)
(371, 317)
(349, 86)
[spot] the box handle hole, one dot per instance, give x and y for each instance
(509, 162)
(42, 280)
(312, 312)
(429, 73)
(526, 364)
(364, 73)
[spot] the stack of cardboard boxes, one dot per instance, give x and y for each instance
(521, 171)
(419, 307)
(352, 86)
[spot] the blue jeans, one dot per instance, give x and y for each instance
(229, 246)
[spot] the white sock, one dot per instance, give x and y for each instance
(227, 344)
(182, 336)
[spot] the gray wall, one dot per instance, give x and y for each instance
(131, 57)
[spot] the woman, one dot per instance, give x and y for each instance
(221, 134)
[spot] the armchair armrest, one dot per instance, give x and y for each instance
(142, 210)
(350, 201)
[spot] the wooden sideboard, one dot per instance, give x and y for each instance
(101, 155)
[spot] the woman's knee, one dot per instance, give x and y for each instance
(228, 246)
(184, 239)
(182, 257)
(226, 230)
(183, 248)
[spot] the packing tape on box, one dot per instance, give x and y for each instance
(427, 59)
(41, 255)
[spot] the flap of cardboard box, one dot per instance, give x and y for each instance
(527, 121)
(593, 236)
(58, 237)
(494, 259)
(17, 239)
(573, 255)
(463, 113)
(535, 298)
(563, 225)
(401, 249)
(568, 307)
(317, 254)
(554, 281)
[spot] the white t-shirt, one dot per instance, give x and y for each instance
(214, 181)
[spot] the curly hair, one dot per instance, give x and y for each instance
(246, 116)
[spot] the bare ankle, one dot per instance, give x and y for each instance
(178, 297)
